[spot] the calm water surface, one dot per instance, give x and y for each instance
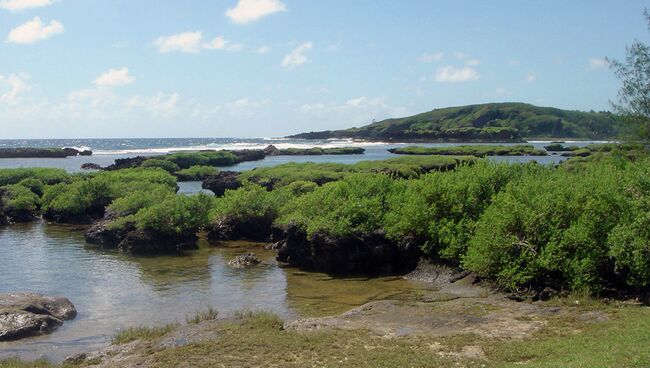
(112, 291)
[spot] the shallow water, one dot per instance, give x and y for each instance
(374, 151)
(112, 291)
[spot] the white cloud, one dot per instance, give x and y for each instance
(513, 62)
(34, 30)
(189, 42)
(473, 62)
(264, 49)
(429, 58)
(531, 77)
(247, 11)
(114, 77)
(500, 91)
(218, 43)
(12, 86)
(18, 5)
(453, 74)
(297, 56)
(192, 42)
(598, 63)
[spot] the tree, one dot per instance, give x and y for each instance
(634, 96)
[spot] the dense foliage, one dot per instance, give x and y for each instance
(486, 122)
(196, 172)
(91, 194)
(579, 227)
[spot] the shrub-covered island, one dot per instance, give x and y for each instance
(29, 152)
(494, 122)
(471, 150)
(581, 225)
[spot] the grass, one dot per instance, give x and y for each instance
(206, 315)
(258, 339)
(145, 333)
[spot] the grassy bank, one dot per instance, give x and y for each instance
(259, 340)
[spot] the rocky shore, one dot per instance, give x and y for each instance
(24, 314)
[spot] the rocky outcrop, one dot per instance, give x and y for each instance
(271, 150)
(229, 228)
(127, 163)
(248, 154)
(30, 152)
(222, 181)
(90, 166)
(244, 260)
(370, 253)
(129, 239)
(25, 314)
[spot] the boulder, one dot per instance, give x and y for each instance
(24, 314)
(371, 253)
(244, 260)
(271, 150)
(222, 181)
(90, 166)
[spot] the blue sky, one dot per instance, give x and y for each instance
(82, 68)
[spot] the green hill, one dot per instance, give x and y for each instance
(493, 122)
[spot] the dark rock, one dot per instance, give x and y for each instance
(229, 228)
(126, 163)
(244, 260)
(369, 253)
(91, 215)
(101, 234)
(459, 275)
(248, 154)
(222, 181)
(129, 239)
(271, 150)
(90, 166)
(25, 314)
(86, 153)
(149, 242)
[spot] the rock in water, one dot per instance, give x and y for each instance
(90, 166)
(24, 314)
(244, 260)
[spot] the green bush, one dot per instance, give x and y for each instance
(33, 184)
(47, 176)
(203, 158)
(250, 201)
(175, 215)
(94, 192)
(196, 172)
(356, 204)
(18, 200)
(136, 200)
(441, 209)
(162, 164)
(553, 226)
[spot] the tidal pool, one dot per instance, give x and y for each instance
(113, 291)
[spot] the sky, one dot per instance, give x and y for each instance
(268, 68)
